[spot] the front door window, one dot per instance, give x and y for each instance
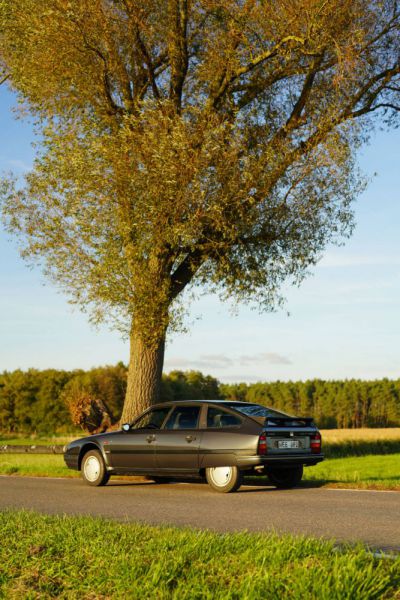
(152, 419)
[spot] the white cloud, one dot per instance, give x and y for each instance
(264, 357)
(205, 361)
(222, 361)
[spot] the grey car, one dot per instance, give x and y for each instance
(218, 440)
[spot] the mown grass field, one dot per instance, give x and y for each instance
(336, 436)
(360, 442)
(86, 558)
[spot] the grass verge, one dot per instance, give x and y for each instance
(87, 558)
(362, 472)
(39, 465)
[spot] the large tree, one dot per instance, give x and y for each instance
(186, 142)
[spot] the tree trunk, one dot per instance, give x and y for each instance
(144, 375)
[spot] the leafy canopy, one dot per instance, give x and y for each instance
(192, 141)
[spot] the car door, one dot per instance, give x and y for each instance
(134, 450)
(178, 442)
(222, 441)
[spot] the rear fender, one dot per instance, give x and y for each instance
(218, 460)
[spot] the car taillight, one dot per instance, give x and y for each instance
(315, 443)
(262, 444)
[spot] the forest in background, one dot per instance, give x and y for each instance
(35, 401)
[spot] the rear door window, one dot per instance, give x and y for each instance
(183, 417)
(218, 418)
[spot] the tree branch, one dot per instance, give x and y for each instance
(149, 64)
(261, 58)
(115, 108)
(184, 273)
(305, 93)
(177, 49)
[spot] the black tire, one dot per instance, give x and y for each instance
(224, 479)
(93, 469)
(285, 478)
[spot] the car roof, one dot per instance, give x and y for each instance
(171, 402)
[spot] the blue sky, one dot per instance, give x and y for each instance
(344, 319)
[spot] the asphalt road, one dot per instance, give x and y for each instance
(344, 515)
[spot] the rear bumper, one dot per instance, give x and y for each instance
(284, 460)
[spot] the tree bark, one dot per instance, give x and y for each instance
(144, 375)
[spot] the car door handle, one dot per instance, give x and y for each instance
(151, 438)
(190, 438)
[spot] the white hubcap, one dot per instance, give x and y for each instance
(221, 476)
(92, 468)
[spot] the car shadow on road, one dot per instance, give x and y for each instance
(249, 486)
(260, 486)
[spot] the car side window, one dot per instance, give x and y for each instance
(218, 418)
(183, 417)
(152, 419)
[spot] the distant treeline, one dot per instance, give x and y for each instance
(35, 401)
(333, 404)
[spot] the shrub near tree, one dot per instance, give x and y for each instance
(184, 143)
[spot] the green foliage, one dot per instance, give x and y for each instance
(83, 557)
(30, 401)
(34, 401)
(189, 385)
(333, 404)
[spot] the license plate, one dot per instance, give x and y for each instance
(288, 444)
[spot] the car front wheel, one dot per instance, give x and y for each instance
(224, 479)
(285, 478)
(93, 469)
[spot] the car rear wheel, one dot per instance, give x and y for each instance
(224, 479)
(285, 478)
(93, 469)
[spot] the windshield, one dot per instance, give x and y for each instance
(256, 410)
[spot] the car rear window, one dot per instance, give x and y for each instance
(256, 410)
(218, 418)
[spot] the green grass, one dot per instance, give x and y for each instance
(369, 472)
(81, 557)
(365, 472)
(42, 465)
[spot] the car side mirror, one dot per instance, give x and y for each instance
(126, 427)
